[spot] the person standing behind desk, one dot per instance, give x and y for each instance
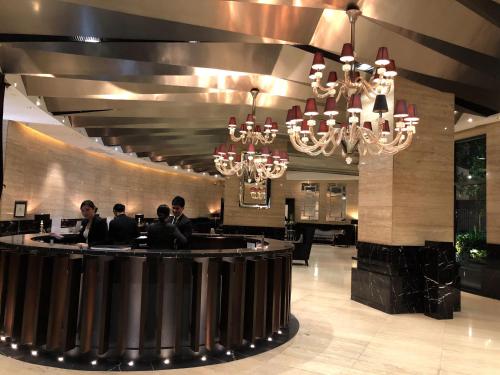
(122, 229)
(182, 222)
(161, 234)
(94, 230)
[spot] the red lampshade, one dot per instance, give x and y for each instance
(297, 113)
(289, 117)
(386, 129)
(304, 128)
(257, 129)
(347, 54)
(265, 151)
(231, 149)
(216, 152)
(268, 122)
(237, 158)
(318, 61)
(391, 69)
(401, 109)
(412, 113)
(382, 56)
(355, 104)
(243, 128)
(330, 107)
(232, 122)
(251, 148)
(323, 127)
(250, 119)
(311, 109)
(285, 156)
(332, 78)
(312, 74)
(343, 126)
(274, 128)
(276, 154)
(367, 125)
(269, 161)
(222, 150)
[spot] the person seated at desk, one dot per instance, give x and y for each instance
(122, 229)
(182, 222)
(161, 235)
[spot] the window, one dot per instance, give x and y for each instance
(310, 202)
(336, 202)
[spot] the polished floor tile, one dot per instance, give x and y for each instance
(340, 336)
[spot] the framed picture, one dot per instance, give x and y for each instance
(255, 195)
(20, 208)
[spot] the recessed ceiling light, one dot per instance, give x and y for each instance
(166, 361)
(445, 128)
(97, 139)
(34, 353)
(204, 358)
(87, 39)
(116, 148)
(176, 167)
(93, 362)
(38, 102)
(131, 363)
(13, 346)
(193, 41)
(455, 112)
(470, 119)
(60, 359)
(15, 84)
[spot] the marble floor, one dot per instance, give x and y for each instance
(339, 336)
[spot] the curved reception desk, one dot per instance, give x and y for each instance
(123, 304)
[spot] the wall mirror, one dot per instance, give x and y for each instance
(309, 209)
(255, 194)
(336, 202)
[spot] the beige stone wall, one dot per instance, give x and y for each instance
(254, 217)
(293, 190)
(55, 178)
(492, 132)
(408, 198)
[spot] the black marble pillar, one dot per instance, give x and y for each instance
(442, 282)
(399, 279)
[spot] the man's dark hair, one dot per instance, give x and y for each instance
(178, 201)
(163, 211)
(119, 207)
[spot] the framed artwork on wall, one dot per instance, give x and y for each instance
(20, 208)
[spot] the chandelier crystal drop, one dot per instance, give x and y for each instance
(314, 137)
(249, 131)
(255, 166)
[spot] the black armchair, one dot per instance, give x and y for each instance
(303, 249)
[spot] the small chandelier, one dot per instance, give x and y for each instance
(249, 131)
(255, 166)
(353, 136)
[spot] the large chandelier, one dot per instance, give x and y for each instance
(249, 131)
(354, 135)
(254, 166)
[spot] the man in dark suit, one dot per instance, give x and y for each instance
(182, 222)
(122, 229)
(162, 235)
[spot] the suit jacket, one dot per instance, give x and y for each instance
(160, 236)
(186, 229)
(98, 232)
(123, 230)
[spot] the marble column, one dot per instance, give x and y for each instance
(404, 201)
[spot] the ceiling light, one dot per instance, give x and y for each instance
(280, 332)
(130, 363)
(166, 361)
(60, 359)
(93, 362)
(15, 84)
(258, 166)
(269, 339)
(470, 119)
(355, 135)
(216, 175)
(193, 41)
(176, 167)
(34, 353)
(469, 177)
(63, 120)
(97, 139)
(38, 102)
(204, 358)
(445, 128)
(252, 346)
(87, 39)
(455, 112)
(250, 132)
(3, 338)
(116, 148)
(13, 346)
(131, 154)
(204, 173)
(365, 67)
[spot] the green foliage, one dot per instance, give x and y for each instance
(471, 245)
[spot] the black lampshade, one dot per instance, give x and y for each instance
(380, 105)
